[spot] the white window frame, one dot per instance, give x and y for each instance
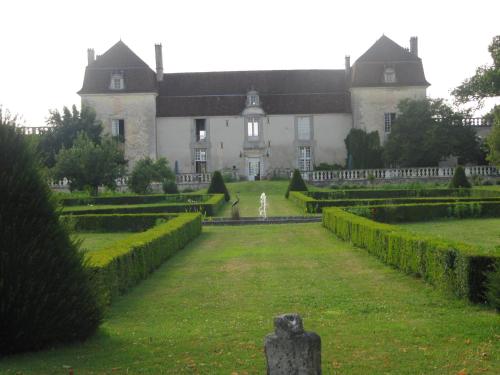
(389, 75)
(304, 162)
(389, 118)
(115, 128)
(252, 127)
(202, 136)
(117, 82)
(200, 160)
(304, 128)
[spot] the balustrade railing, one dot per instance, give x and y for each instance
(193, 178)
(33, 130)
(397, 173)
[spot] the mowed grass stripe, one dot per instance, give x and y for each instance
(208, 309)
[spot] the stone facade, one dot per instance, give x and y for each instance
(254, 123)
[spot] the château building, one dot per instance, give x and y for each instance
(255, 123)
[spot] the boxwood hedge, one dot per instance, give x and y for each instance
(125, 263)
(453, 266)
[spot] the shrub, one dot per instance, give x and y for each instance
(147, 171)
(493, 286)
(296, 183)
(459, 179)
(46, 292)
(170, 187)
(114, 222)
(217, 186)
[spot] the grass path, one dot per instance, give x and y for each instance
(207, 310)
(249, 193)
(481, 232)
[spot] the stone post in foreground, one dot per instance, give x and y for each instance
(290, 350)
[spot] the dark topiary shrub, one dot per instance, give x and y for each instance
(217, 186)
(296, 183)
(459, 180)
(47, 295)
(493, 287)
(170, 187)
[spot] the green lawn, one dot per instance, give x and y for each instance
(482, 232)
(207, 310)
(249, 193)
(96, 241)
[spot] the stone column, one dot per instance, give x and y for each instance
(290, 350)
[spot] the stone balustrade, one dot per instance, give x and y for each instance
(193, 178)
(33, 130)
(396, 173)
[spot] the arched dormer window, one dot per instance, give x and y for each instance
(253, 99)
(117, 81)
(389, 75)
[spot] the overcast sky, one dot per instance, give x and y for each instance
(44, 43)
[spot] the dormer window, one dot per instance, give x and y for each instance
(117, 82)
(253, 99)
(389, 75)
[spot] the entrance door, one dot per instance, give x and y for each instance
(253, 169)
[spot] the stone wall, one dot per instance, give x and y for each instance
(139, 113)
(370, 103)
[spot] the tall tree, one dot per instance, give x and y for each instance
(65, 129)
(364, 149)
(427, 131)
(87, 165)
(485, 83)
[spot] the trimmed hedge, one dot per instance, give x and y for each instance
(134, 199)
(126, 262)
(208, 207)
(388, 193)
(427, 212)
(448, 265)
(114, 222)
(311, 205)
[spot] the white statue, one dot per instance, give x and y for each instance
(263, 206)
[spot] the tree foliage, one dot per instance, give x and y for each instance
(65, 128)
(427, 131)
(493, 140)
(147, 171)
(485, 83)
(87, 165)
(296, 183)
(217, 186)
(46, 292)
(364, 149)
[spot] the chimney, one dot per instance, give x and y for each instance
(159, 63)
(348, 69)
(90, 55)
(414, 45)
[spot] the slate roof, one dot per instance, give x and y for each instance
(138, 76)
(368, 70)
(280, 91)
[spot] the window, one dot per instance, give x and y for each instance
(253, 127)
(200, 160)
(389, 75)
(304, 128)
(117, 81)
(118, 129)
(201, 130)
(389, 119)
(305, 158)
(253, 99)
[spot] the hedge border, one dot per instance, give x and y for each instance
(311, 205)
(209, 207)
(448, 265)
(114, 222)
(125, 263)
(132, 199)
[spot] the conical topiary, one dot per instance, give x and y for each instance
(459, 179)
(46, 293)
(217, 186)
(296, 183)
